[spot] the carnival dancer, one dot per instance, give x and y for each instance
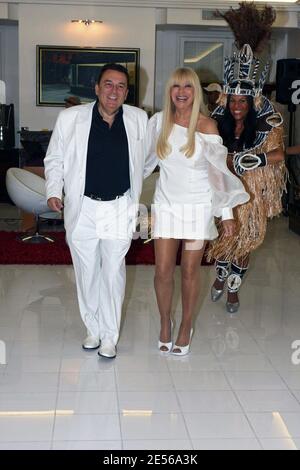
(253, 133)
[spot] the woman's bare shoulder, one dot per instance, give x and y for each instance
(207, 125)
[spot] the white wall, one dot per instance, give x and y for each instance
(168, 55)
(4, 10)
(9, 67)
(122, 27)
(50, 25)
(169, 51)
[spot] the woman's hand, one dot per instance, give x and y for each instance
(229, 227)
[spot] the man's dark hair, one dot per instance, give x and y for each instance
(113, 66)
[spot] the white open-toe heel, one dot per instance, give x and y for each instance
(168, 345)
(182, 350)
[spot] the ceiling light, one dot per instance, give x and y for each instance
(38, 413)
(86, 22)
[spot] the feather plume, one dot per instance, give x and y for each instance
(250, 25)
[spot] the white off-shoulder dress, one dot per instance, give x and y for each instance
(190, 192)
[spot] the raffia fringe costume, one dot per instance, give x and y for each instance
(265, 186)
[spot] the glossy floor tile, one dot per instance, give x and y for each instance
(239, 388)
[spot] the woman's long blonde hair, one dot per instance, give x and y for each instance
(180, 76)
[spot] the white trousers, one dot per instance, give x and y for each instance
(98, 247)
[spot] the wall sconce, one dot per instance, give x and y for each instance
(86, 22)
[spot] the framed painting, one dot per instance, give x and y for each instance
(62, 72)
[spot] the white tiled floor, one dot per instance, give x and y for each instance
(238, 388)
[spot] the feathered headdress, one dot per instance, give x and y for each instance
(252, 29)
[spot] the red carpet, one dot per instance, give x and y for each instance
(13, 251)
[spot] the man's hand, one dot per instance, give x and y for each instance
(229, 227)
(55, 204)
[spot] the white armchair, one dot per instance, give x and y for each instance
(27, 191)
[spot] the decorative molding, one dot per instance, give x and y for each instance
(209, 14)
(184, 4)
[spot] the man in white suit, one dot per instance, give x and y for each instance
(96, 158)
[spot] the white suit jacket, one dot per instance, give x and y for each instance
(65, 161)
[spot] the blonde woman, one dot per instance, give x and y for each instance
(194, 186)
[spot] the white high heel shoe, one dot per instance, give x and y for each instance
(182, 350)
(166, 345)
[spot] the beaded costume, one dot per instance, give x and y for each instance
(265, 184)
